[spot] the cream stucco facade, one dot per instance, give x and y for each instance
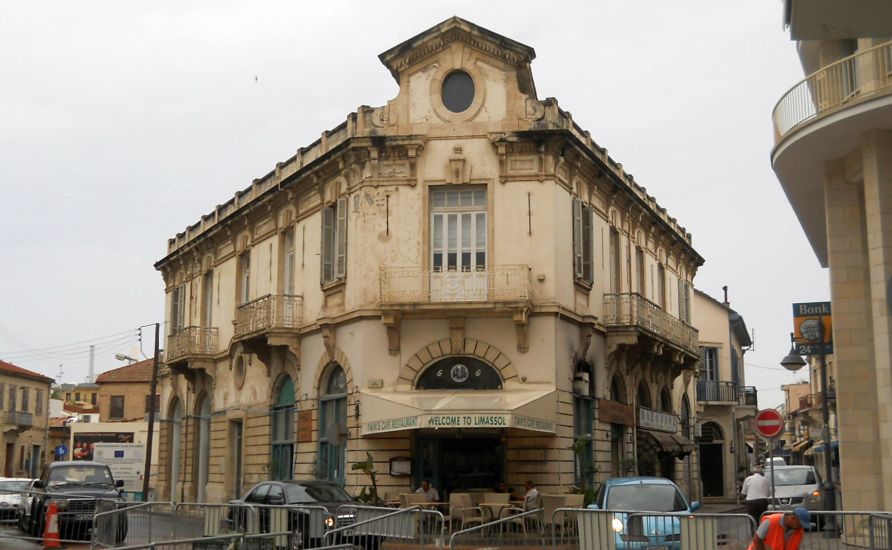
(460, 282)
(24, 414)
(725, 404)
(833, 157)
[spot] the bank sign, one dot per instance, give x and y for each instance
(460, 420)
(810, 319)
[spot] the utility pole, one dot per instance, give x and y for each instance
(147, 472)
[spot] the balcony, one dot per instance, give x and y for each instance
(268, 313)
(749, 397)
(191, 342)
(412, 285)
(19, 419)
(849, 81)
(712, 391)
(632, 313)
(812, 401)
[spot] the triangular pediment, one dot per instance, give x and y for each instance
(406, 55)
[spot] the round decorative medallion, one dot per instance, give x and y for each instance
(459, 373)
(238, 374)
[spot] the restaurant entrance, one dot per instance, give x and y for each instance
(459, 461)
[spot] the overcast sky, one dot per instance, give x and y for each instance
(121, 124)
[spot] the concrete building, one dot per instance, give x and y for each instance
(124, 392)
(833, 157)
(461, 282)
(24, 410)
(725, 404)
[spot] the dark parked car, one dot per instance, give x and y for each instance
(75, 487)
(312, 493)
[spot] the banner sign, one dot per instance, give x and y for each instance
(809, 320)
(613, 412)
(84, 442)
(655, 420)
(460, 420)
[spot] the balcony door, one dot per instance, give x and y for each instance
(458, 245)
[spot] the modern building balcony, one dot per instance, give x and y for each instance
(813, 401)
(19, 419)
(630, 317)
(416, 288)
(717, 393)
(190, 343)
(824, 117)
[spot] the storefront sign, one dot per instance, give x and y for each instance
(535, 424)
(655, 420)
(436, 421)
(391, 425)
(613, 412)
(812, 328)
(305, 426)
(466, 421)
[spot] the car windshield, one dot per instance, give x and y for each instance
(16, 486)
(646, 497)
(328, 492)
(793, 476)
(82, 475)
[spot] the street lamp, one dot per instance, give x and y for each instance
(122, 357)
(793, 362)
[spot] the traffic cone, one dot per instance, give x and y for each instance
(51, 529)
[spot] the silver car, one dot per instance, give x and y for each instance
(11, 491)
(796, 486)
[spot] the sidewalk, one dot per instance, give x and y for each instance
(722, 508)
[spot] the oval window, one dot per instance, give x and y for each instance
(458, 91)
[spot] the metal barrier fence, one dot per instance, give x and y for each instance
(515, 529)
(371, 527)
(850, 529)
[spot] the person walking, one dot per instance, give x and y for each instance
(756, 489)
(781, 531)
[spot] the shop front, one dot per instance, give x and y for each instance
(460, 439)
(659, 444)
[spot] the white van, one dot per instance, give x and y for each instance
(776, 460)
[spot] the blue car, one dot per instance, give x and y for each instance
(629, 496)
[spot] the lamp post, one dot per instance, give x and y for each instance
(793, 362)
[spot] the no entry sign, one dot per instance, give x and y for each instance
(769, 423)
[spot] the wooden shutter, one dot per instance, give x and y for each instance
(577, 238)
(341, 233)
(328, 242)
(587, 252)
(682, 303)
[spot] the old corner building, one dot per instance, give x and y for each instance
(461, 283)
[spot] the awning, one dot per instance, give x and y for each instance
(669, 443)
(801, 445)
(387, 411)
(820, 448)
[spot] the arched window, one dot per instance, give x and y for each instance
(665, 400)
(174, 440)
(459, 373)
(282, 462)
(617, 390)
(643, 395)
(711, 432)
(685, 416)
(333, 424)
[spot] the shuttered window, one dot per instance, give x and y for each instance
(582, 241)
(334, 241)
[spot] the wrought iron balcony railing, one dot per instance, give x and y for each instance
(269, 312)
(192, 341)
(715, 391)
(412, 285)
(19, 418)
(633, 310)
(811, 401)
(850, 80)
(749, 396)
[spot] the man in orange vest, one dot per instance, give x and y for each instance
(781, 531)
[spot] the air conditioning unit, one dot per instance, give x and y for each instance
(581, 384)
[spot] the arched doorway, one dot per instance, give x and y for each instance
(617, 431)
(202, 448)
(647, 458)
(667, 461)
(712, 445)
(174, 440)
(686, 432)
(333, 424)
(282, 460)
